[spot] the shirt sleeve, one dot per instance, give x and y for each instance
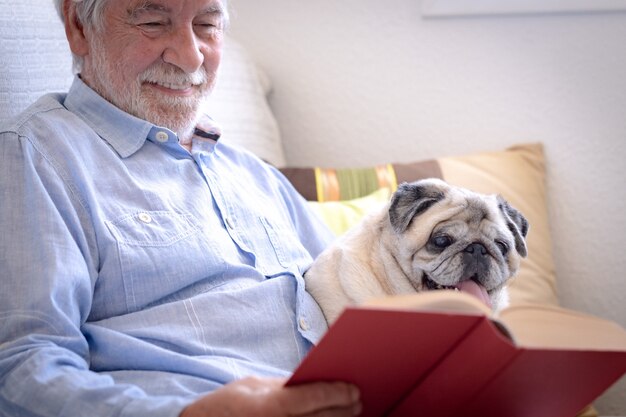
(48, 267)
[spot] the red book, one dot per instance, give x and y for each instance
(441, 354)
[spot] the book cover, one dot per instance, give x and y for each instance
(441, 354)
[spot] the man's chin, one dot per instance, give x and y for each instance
(182, 126)
(178, 114)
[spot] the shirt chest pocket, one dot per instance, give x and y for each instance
(158, 253)
(271, 243)
(287, 252)
(152, 228)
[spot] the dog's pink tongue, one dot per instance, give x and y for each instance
(472, 287)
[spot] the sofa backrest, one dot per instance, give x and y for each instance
(34, 55)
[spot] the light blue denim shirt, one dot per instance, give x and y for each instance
(135, 275)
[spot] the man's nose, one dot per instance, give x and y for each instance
(183, 50)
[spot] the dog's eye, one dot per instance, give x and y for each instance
(504, 248)
(442, 241)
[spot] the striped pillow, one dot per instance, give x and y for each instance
(337, 184)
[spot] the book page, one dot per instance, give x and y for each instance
(540, 326)
(440, 301)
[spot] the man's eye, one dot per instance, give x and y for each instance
(206, 27)
(152, 25)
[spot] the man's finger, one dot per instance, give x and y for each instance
(311, 398)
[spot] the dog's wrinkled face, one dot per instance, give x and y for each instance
(452, 238)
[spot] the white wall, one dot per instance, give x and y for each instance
(359, 82)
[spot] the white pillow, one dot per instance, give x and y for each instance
(34, 55)
(239, 105)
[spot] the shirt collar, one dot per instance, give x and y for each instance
(124, 132)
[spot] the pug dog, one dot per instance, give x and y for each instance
(430, 236)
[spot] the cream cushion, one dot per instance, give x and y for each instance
(518, 174)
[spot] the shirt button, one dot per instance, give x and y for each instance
(145, 217)
(162, 136)
(303, 324)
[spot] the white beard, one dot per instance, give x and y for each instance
(179, 114)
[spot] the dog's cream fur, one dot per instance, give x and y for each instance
(387, 253)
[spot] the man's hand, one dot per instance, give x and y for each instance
(268, 397)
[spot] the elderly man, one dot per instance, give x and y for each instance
(146, 268)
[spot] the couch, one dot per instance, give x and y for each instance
(33, 39)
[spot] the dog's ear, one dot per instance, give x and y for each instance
(517, 224)
(412, 199)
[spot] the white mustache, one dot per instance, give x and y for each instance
(172, 77)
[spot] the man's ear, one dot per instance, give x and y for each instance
(74, 30)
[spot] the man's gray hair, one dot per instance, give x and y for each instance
(90, 12)
(91, 15)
